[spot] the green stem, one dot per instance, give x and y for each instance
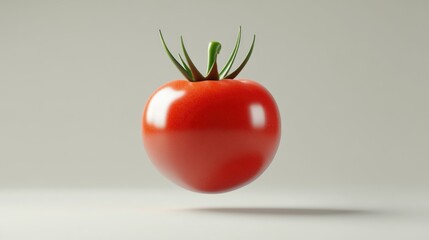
(196, 75)
(238, 70)
(228, 65)
(190, 71)
(182, 69)
(213, 51)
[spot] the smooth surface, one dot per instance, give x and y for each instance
(211, 136)
(176, 214)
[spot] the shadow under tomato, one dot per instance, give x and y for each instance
(279, 211)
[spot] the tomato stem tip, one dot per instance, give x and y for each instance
(191, 73)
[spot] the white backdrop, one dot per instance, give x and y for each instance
(350, 79)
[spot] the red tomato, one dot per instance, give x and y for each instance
(211, 136)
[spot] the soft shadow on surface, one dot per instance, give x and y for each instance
(278, 211)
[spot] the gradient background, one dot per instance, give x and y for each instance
(350, 79)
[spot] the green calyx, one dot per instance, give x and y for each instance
(191, 73)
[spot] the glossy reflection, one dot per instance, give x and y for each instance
(159, 105)
(257, 115)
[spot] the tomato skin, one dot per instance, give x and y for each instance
(211, 136)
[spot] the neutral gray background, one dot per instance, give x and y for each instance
(350, 79)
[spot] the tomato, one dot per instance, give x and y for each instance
(211, 136)
(211, 133)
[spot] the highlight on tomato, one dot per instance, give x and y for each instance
(211, 133)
